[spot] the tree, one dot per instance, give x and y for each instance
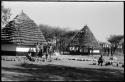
(114, 39)
(62, 36)
(5, 15)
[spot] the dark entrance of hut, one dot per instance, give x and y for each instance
(8, 53)
(8, 49)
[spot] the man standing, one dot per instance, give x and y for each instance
(92, 51)
(45, 47)
(37, 49)
(50, 51)
(41, 50)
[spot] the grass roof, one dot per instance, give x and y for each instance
(22, 30)
(84, 38)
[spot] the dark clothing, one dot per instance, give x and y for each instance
(100, 61)
(88, 51)
(28, 56)
(108, 51)
(46, 56)
(40, 53)
(45, 50)
(32, 52)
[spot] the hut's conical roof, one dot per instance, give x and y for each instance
(84, 38)
(22, 30)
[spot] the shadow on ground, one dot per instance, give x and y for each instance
(57, 72)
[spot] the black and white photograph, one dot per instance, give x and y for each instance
(67, 0)
(62, 41)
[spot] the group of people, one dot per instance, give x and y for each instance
(110, 62)
(40, 50)
(47, 50)
(107, 50)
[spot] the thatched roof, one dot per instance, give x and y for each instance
(84, 38)
(22, 30)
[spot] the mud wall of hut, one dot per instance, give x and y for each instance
(14, 50)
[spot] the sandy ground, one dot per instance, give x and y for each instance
(60, 70)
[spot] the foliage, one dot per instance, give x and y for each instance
(62, 36)
(22, 30)
(5, 15)
(115, 39)
(65, 39)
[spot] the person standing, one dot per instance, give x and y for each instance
(46, 51)
(92, 51)
(50, 51)
(89, 51)
(108, 50)
(41, 50)
(37, 49)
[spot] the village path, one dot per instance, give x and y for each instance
(60, 70)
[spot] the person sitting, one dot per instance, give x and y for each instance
(108, 63)
(28, 56)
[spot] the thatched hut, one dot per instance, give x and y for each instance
(20, 34)
(84, 42)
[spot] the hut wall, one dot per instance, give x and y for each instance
(14, 50)
(96, 51)
(8, 49)
(83, 51)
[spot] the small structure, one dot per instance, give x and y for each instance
(84, 42)
(19, 35)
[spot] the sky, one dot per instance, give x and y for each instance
(103, 18)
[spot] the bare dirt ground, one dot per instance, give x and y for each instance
(60, 69)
